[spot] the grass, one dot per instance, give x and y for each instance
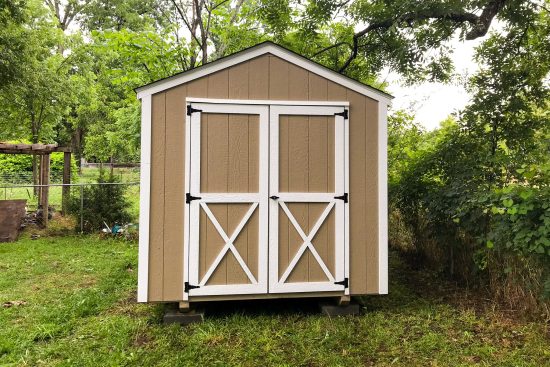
(80, 309)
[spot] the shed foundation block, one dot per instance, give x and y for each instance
(182, 318)
(330, 309)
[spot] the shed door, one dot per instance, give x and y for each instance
(308, 174)
(227, 199)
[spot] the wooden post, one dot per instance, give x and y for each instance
(38, 190)
(66, 191)
(45, 174)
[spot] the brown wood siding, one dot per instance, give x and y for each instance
(229, 164)
(266, 77)
(157, 223)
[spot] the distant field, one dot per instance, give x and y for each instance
(70, 301)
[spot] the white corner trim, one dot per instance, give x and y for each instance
(382, 198)
(262, 49)
(144, 200)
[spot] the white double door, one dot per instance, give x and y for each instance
(266, 199)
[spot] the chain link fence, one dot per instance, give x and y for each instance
(18, 185)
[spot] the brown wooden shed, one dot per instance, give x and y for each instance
(263, 175)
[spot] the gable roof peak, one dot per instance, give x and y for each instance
(266, 47)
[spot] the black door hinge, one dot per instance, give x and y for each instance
(189, 198)
(343, 197)
(274, 197)
(344, 114)
(344, 282)
(188, 287)
(190, 110)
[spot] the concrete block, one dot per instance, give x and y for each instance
(182, 318)
(330, 309)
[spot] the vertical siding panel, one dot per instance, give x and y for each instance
(278, 89)
(357, 187)
(335, 92)
(258, 78)
(253, 186)
(284, 223)
(218, 165)
(237, 182)
(298, 145)
(198, 88)
(371, 193)
(174, 199)
(238, 170)
(278, 78)
(156, 234)
(238, 81)
(216, 180)
(318, 177)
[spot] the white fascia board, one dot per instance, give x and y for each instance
(144, 200)
(269, 102)
(256, 52)
(382, 198)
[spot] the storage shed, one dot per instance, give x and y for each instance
(263, 175)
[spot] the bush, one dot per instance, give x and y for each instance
(102, 203)
(17, 168)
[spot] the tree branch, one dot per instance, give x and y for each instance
(330, 48)
(480, 24)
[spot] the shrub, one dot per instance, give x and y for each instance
(102, 203)
(17, 168)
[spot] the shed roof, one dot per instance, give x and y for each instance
(260, 49)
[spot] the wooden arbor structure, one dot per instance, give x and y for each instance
(44, 151)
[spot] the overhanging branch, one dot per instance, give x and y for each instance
(480, 24)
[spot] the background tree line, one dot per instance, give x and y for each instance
(471, 197)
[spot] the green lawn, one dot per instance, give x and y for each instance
(80, 310)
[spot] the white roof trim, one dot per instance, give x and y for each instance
(256, 51)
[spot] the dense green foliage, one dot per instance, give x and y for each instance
(476, 192)
(17, 168)
(101, 203)
(80, 309)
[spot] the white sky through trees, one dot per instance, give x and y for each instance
(431, 103)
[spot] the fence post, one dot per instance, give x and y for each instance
(45, 174)
(66, 190)
(81, 208)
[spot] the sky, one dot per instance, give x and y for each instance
(433, 102)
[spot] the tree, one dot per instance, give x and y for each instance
(412, 37)
(12, 40)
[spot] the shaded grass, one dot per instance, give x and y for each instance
(81, 310)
